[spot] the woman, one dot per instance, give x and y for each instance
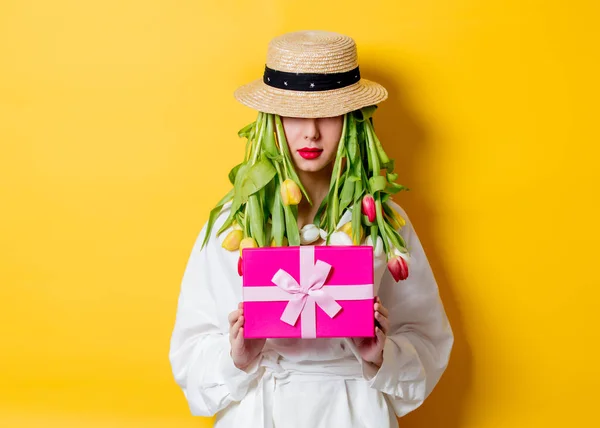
(312, 96)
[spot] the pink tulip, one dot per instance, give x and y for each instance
(398, 268)
(368, 207)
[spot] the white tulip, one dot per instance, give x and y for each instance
(340, 238)
(323, 234)
(378, 248)
(309, 234)
(345, 218)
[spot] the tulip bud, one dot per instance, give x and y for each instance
(309, 234)
(284, 242)
(396, 220)
(232, 240)
(347, 229)
(398, 268)
(247, 243)
(323, 234)
(290, 192)
(368, 207)
(240, 266)
(340, 238)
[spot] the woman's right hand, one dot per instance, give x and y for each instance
(243, 351)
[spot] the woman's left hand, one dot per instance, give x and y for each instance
(371, 348)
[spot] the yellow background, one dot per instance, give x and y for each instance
(118, 127)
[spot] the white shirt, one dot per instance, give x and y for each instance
(307, 382)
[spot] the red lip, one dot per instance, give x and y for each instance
(310, 152)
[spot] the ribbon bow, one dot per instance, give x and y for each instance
(308, 292)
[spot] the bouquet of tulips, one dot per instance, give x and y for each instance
(266, 191)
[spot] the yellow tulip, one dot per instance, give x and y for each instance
(290, 192)
(396, 220)
(232, 240)
(247, 243)
(347, 229)
(283, 244)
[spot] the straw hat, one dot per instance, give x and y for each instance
(311, 74)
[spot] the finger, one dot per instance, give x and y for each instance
(384, 323)
(236, 328)
(381, 309)
(380, 336)
(358, 341)
(241, 305)
(233, 317)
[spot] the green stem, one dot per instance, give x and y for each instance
(260, 137)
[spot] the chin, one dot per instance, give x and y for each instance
(311, 166)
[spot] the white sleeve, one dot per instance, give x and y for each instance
(199, 349)
(420, 340)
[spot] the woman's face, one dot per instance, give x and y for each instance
(313, 143)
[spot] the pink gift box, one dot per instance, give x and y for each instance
(308, 292)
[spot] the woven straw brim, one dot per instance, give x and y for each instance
(310, 104)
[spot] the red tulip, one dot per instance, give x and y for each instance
(368, 207)
(398, 268)
(240, 266)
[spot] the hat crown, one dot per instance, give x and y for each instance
(312, 52)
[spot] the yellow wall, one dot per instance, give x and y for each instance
(115, 115)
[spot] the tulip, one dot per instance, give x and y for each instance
(240, 266)
(284, 242)
(368, 207)
(396, 220)
(290, 192)
(398, 268)
(340, 238)
(323, 234)
(247, 243)
(232, 240)
(347, 229)
(309, 234)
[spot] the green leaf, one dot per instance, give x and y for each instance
(278, 221)
(391, 177)
(395, 238)
(256, 219)
(214, 214)
(352, 142)
(381, 223)
(258, 176)
(377, 183)
(246, 131)
(269, 137)
(347, 194)
(374, 231)
(383, 158)
(393, 188)
(366, 113)
(358, 191)
(291, 225)
(321, 215)
(233, 172)
(356, 220)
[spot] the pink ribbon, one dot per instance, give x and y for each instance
(311, 291)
